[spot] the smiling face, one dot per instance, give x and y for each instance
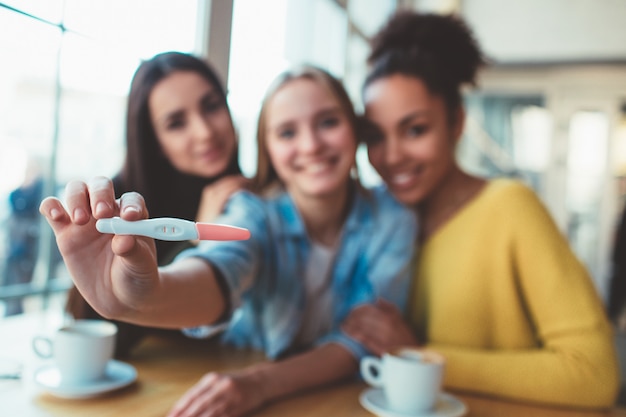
(310, 140)
(192, 123)
(414, 146)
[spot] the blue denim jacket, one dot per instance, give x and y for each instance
(265, 274)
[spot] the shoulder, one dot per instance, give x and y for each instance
(516, 204)
(269, 215)
(392, 211)
(510, 194)
(383, 201)
(244, 208)
(245, 197)
(387, 213)
(509, 188)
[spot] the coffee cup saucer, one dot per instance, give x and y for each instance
(373, 399)
(117, 375)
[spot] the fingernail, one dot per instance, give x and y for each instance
(78, 214)
(55, 214)
(101, 208)
(128, 209)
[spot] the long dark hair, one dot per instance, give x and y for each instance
(440, 50)
(167, 191)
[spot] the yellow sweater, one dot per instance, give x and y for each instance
(499, 292)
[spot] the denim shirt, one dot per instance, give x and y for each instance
(265, 273)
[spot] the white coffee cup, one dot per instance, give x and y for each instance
(411, 378)
(81, 350)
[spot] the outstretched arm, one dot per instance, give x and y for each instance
(118, 275)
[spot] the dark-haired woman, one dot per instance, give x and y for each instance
(497, 288)
(180, 139)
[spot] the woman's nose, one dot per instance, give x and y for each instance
(393, 153)
(309, 141)
(201, 128)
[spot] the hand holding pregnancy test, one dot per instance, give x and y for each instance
(120, 278)
(167, 228)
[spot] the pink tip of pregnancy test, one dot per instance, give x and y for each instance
(212, 231)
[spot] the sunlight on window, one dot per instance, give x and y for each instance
(253, 65)
(587, 157)
(13, 162)
(532, 137)
(586, 165)
(618, 156)
(269, 36)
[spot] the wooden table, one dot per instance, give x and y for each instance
(168, 366)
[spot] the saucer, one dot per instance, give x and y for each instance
(374, 400)
(118, 375)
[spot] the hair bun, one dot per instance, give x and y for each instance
(445, 38)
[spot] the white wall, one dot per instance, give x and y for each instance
(549, 30)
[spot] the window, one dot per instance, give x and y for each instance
(587, 156)
(66, 70)
(506, 135)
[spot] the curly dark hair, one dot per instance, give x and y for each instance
(440, 50)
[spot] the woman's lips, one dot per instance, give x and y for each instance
(405, 179)
(211, 155)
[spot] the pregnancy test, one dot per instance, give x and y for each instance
(168, 228)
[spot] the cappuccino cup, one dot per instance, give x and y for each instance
(410, 378)
(81, 350)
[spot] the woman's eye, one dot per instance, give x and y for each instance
(417, 130)
(286, 133)
(175, 124)
(212, 105)
(329, 122)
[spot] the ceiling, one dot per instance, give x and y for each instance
(542, 31)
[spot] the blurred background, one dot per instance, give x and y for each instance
(550, 110)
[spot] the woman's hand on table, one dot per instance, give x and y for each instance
(380, 327)
(222, 394)
(111, 272)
